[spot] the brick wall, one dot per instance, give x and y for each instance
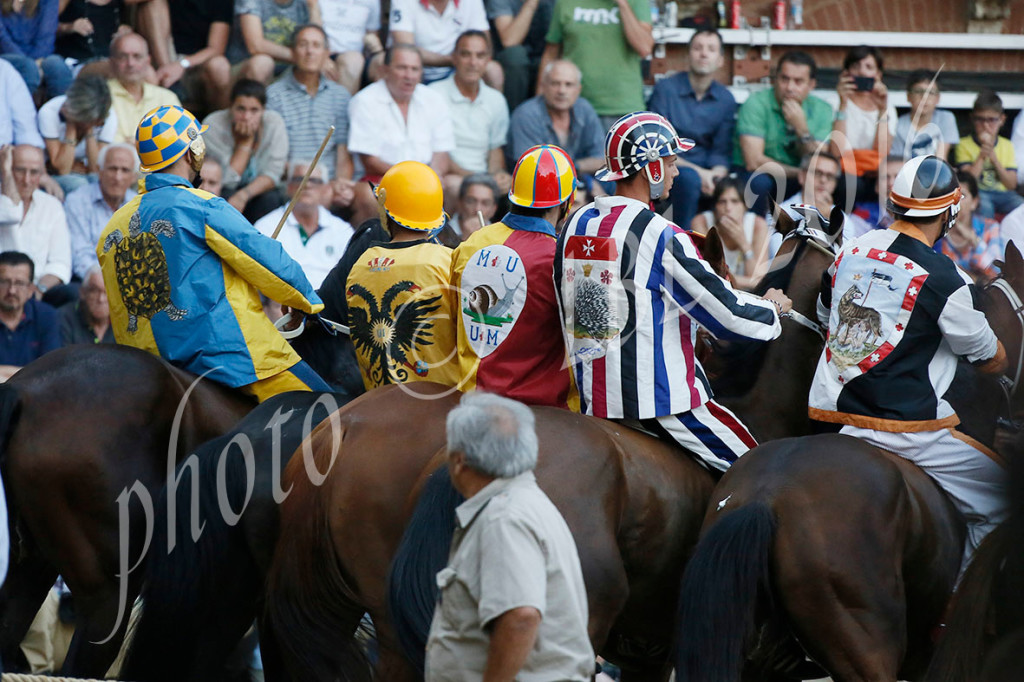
(938, 16)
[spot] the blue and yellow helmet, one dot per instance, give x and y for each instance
(164, 135)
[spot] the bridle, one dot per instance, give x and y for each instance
(823, 242)
(1009, 385)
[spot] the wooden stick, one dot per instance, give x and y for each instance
(302, 185)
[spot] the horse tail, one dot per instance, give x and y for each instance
(412, 589)
(312, 613)
(729, 570)
(199, 597)
(961, 651)
(10, 408)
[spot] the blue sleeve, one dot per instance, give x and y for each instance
(46, 29)
(593, 133)
(49, 328)
(659, 99)
(7, 44)
(721, 144)
(258, 259)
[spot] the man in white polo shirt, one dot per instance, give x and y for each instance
(479, 116)
(434, 26)
(312, 235)
(397, 119)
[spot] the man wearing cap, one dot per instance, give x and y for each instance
(184, 271)
(508, 318)
(398, 297)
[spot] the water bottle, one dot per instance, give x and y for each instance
(723, 19)
(796, 8)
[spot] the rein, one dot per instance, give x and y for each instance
(1009, 385)
(332, 326)
(822, 241)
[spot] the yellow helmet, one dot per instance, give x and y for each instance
(410, 193)
(544, 177)
(165, 134)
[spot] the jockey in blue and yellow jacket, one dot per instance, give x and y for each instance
(184, 271)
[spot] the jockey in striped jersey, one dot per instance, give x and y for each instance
(633, 289)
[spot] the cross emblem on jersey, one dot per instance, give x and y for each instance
(588, 248)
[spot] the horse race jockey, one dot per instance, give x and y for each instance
(184, 270)
(899, 314)
(633, 289)
(399, 302)
(508, 316)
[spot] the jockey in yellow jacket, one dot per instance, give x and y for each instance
(184, 270)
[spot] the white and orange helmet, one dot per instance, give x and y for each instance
(925, 186)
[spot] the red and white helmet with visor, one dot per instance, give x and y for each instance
(638, 142)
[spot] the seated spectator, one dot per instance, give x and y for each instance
(819, 177)
(262, 35)
(703, 110)
(188, 47)
(865, 122)
(17, 110)
(478, 196)
(310, 104)
(744, 235)
(479, 116)
(213, 177)
(434, 26)
(32, 328)
(75, 127)
(251, 144)
(132, 97)
(777, 127)
(85, 30)
(873, 212)
(91, 207)
(32, 221)
(974, 243)
(87, 320)
(521, 26)
(607, 39)
(352, 27)
(312, 235)
(398, 119)
(989, 157)
(925, 130)
(559, 116)
(27, 33)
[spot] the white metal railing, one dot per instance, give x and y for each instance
(760, 37)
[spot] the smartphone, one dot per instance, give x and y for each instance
(864, 83)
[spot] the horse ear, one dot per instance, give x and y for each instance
(1013, 264)
(835, 222)
(783, 223)
(714, 253)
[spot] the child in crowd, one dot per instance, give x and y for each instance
(925, 130)
(989, 157)
(744, 234)
(974, 243)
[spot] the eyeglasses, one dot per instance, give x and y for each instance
(296, 179)
(988, 119)
(14, 284)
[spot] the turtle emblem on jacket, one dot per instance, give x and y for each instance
(141, 269)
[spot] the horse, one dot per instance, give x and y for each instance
(85, 423)
(338, 539)
(825, 547)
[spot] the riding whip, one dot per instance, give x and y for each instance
(302, 185)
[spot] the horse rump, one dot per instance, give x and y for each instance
(722, 586)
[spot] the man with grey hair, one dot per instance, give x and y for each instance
(90, 207)
(75, 126)
(512, 601)
(559, 116)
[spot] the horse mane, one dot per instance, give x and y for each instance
(738, 363)
(412, 590)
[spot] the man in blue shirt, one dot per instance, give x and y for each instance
(703, 110)
(30, 328)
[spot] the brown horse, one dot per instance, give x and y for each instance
(827, 547)
(80, 427)
(629, 500)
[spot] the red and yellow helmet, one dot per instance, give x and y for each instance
(544, 177)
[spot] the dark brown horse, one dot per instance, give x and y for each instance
(826, 547)
(80, 427)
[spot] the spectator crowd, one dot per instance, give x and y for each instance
(465, 86)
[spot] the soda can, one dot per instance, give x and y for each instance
(734, 21)
(779, 15)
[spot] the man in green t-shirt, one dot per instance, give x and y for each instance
(775, 128)
(606, 39)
